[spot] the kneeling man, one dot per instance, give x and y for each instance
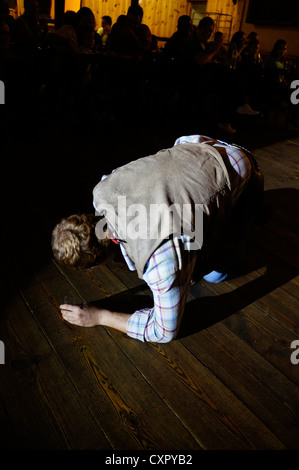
(197, 203)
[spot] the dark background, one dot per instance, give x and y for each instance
(273, 12)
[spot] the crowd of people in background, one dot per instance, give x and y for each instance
(194, 68)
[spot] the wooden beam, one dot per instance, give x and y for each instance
(59, 12)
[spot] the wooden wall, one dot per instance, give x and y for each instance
(71, 5)
(163, 16)
(160, 16)
(227, 7)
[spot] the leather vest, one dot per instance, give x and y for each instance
(194, 175)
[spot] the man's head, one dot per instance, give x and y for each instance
(74, 242)
(31, 6)
(135, 14)
(218, 37)
(106, 21)
(205, 28)
(85, 17)
(184, 23)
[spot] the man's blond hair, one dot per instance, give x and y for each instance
(74, 242)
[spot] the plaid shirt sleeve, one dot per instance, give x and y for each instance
(168, 275)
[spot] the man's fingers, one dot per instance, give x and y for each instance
(70, 313)
(71, 316)
(81, 315)
(70, 308)
(66, 307)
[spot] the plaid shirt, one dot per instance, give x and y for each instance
(169, 270)
(168, 275)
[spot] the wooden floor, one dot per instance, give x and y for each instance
(226, 383)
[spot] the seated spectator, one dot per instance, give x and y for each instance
(86, 39)
(235, 53)
(105, 29)
(27, 30)
(252, 38)
(276, 76)
(85, 17)
(67, 35)
(69, 17)
(221, 56)
(143, 32)
(250, 76)
(198, 49)
(211, 78)
(236, 47)
(5, 15)
(251, 55)
(175, 46)
(128, 39)
(277, 62)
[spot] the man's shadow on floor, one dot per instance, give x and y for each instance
(205, 311)
(279, 264)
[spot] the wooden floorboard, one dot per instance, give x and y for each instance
(226, 382)
(249, 351)
(41, 404)
(210, 415)
(107, 381)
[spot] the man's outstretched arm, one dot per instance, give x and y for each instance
(87, 315)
